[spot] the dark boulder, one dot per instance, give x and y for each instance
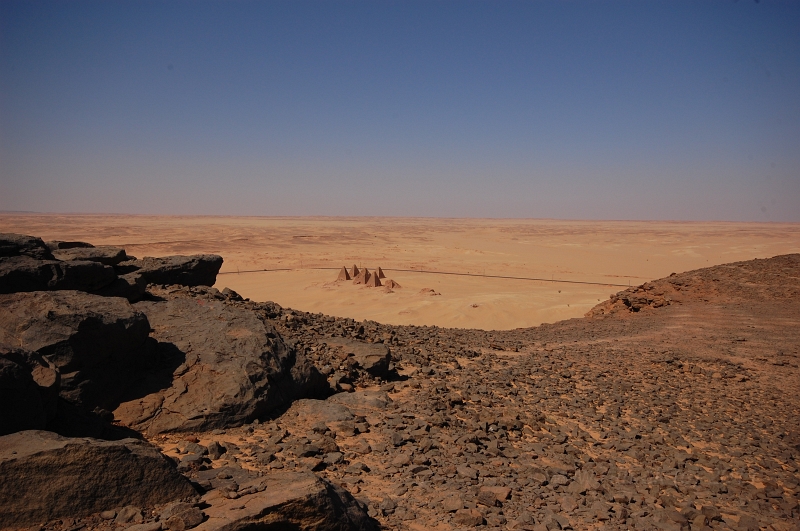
(195, 270)
(286, 500)
(95, 342)
(57, 244)
(22, 245)
(222, 366)
(23, 273)
(46, 476)
(104, 254)
(132, 286)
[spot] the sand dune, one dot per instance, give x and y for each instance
(612, 252)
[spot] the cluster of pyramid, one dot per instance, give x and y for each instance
(363, 276)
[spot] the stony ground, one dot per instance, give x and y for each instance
(671, 406)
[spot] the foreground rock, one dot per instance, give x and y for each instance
(286, 500)
(46, 476)
(23, 273)
(220, 366)
(104, 254)
(196, 270)
(95, 342)
(22, 245)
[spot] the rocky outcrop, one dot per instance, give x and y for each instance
(95, 342)
(104, 254)
(28, 264)
(22, 245)
(195, 270)
(23, 273)
(286, 500)
(29, 387)
(46, 476)
(372, 357)
(220, 366)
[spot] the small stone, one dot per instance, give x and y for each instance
(129, 514)
(452, 504)
(467, 472)
(468, 518)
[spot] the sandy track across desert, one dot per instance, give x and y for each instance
(614, 252)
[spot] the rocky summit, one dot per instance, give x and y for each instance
(137, 397)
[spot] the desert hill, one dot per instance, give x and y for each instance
(671, 405)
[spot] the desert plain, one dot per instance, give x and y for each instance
(301, 256)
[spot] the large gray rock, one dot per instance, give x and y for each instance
(23, 273)
(95, 342)
(221, 366)
(104, 254)
(22, 245)
(286, 500)
(195, 270)
(372, 357)
(46, 476)
(29, 386)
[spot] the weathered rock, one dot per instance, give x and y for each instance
(22, 245)
(372, 357)
(131, 286)
(29, 387)
(55, 245)
(95, 342)
(362, 399)
(220, 366)
(286, 500)
(46, 476)
(105, 254)
(336, 417)
(195, 270)
(23, 273)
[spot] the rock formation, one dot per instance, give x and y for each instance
(219, 366)
(46, 476)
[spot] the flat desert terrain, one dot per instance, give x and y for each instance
(590, 259)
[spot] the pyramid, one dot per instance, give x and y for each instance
(354, 272)
(361, 277)
(392, 284)
(373, 281)
(380, 273)
(343, 274)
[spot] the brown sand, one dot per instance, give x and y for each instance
(613, 252)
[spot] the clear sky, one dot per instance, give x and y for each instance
(606, 110)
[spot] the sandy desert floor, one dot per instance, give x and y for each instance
(608, 255)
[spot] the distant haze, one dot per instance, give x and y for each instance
(592, 110)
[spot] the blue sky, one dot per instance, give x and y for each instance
(587, 110)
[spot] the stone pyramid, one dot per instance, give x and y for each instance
(362, 277)
(373, 281)
(380, 273)
(354, 272)
(343, 274)
(392, 284)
